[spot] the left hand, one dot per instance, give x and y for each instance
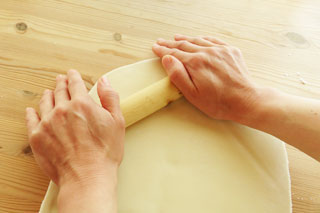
(73, 138)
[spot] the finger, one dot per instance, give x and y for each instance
(32, 120)
(178, 74)
(162, 51)
(214, 40)
(108, 97)
(46, 103)
(194, 40)
(181, 45)
(76, 85)
(61, 93)
(46, 165)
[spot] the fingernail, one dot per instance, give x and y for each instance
(72, 71)
(167, 61)
(105, 80)
(58, 77)
(155, 45)
(160, 40)
(177, 35)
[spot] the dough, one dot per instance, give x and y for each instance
(179, 160)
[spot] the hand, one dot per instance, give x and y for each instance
(74, 139)
(211, 74)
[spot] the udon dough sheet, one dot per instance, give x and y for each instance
(179, 160)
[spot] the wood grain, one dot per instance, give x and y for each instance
(42, 38)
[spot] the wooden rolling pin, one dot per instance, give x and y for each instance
(149, 100)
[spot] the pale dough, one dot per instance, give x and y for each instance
(179, 160)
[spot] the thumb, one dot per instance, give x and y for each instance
(178, 74)
(32, 120)
(108, 97)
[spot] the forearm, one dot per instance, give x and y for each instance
(91, 194)
(293, 119)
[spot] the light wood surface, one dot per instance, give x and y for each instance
(40, 39)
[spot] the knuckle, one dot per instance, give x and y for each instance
(174, 52)
(114, 94)
(45, 123)
(211, 51)
(59, 89)
(42, 100)
(75, 82)
(37, 140)
(80, 104)
(60, 110)
(225, 49)
(197, 40)
(121, 122)
(197, 59)
(175, 75)
(35, 144)
(35, 134)
(72, 81)
(236, 50)
(79, 101)
(182, 43)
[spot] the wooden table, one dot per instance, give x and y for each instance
(40, 39)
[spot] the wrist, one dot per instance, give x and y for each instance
(96, 186)
(264, 100)
(81, 173)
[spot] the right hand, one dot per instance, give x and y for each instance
(211, 74)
